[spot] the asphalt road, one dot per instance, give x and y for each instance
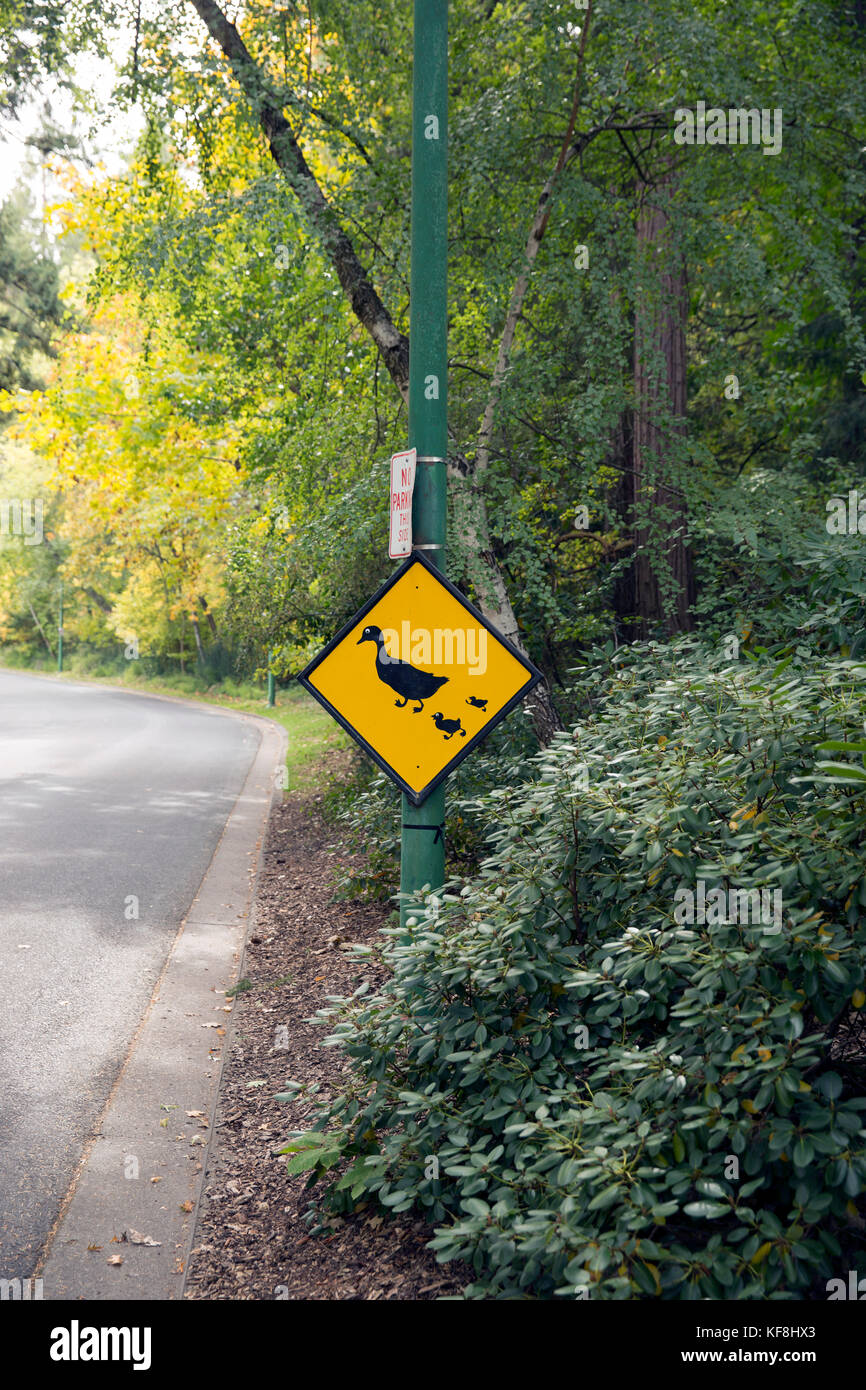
(111, 804)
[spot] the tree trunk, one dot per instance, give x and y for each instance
(101, 603)
(663, 574)
(197, 635)
(208, 614)
(483, 570)
(620, 458)
(289, 158)
(39, 625)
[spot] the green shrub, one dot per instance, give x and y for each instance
(186, 684)
(589, 1096)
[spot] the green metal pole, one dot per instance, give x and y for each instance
(271, 686)
(422, 860)
(60, 633)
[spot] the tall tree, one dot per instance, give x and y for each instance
(378, 322)
(664, 586)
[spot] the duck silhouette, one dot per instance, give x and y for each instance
(448, 727)
(477, 704)
(406, 680)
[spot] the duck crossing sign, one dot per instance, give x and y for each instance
(418, 677)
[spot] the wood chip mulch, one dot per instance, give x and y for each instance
(251, 1241)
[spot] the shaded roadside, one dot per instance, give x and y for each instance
(251, 1241)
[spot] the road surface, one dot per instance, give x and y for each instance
(111, 807)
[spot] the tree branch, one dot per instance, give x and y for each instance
(289, 157)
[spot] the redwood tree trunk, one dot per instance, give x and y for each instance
(663, 574)
(620, 458)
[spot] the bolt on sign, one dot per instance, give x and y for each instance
(418, 677)
(400, 504)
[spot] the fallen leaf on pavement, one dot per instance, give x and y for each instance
(136, 1238)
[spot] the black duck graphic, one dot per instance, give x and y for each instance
(476, 703)
(407, 680)
(449, 727)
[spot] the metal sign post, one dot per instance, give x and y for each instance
(422, 858)
(272, 700)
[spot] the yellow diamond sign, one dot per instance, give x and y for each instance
(419, 677)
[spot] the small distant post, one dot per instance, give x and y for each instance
(272, 694)
(60, 632)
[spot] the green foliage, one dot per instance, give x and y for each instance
(30, 306)
(766, 568)
(38, 38)
(589, 1072)
(773, 250)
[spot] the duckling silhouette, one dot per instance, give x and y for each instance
(449, 727)
(475, 703)
(407, 680)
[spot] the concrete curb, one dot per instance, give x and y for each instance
(174, 1066)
